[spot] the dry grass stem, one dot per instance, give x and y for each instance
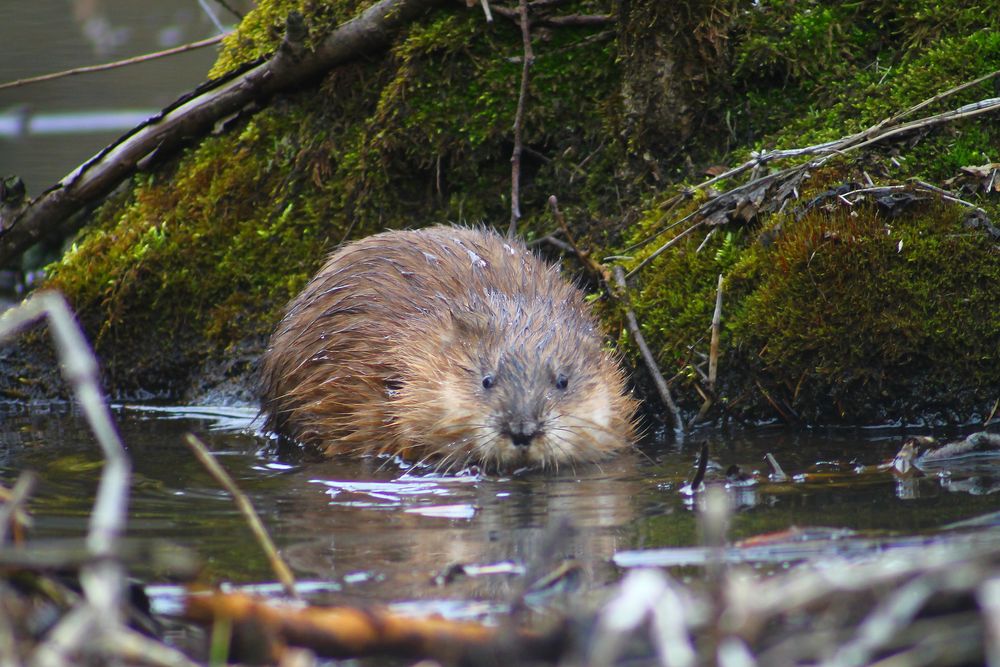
(281, 569)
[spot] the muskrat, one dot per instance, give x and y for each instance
(447, 344)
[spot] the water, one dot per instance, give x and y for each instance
(47, 129)
(369, 529)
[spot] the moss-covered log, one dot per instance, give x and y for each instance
(831, 314)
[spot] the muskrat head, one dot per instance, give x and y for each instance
(512, 383)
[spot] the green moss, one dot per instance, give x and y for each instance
(811, 72)
(847, 316)
(205, 252)
(262, 29)
(834, 320)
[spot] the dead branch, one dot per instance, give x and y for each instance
(281, 569)
(647, 356)
(90, 69)
(515, 158)
(713, 356)
(768, 193)
(565, 20)
(589, 264)
(193, 114)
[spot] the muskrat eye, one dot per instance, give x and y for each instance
(562, 381)
(488, 381)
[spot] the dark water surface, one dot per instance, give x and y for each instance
(369, 529)
(47, 129)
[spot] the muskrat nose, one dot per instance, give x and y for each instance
(522, 432)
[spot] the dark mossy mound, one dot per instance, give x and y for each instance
(842, 315)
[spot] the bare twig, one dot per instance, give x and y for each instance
(281, 569)
(588, 262)
(103, 579)
(885, 129)
(713, 357)
(210, 13)
(486, 10)
(237, 14)
(90, 69)
(565, 20)
(713, 349)
(666, 246)
(138, 649)
(515, 158)
(647, 356)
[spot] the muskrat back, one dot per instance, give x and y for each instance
(448, 344)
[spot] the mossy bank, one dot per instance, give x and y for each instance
(852, 316)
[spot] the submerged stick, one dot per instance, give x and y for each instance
(340, 632)
(281, 569)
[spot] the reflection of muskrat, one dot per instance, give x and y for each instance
(445, 343)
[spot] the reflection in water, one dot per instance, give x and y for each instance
(368, 529)
(22, 123)
(44, 37)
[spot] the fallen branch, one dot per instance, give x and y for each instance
(194, 114)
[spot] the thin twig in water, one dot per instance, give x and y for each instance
(281, 569)
(515, 158)
(486, 10)
(647, 356)
(116, 64)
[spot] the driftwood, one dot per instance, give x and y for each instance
(291, 65)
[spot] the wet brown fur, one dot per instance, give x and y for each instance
(387, 348)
